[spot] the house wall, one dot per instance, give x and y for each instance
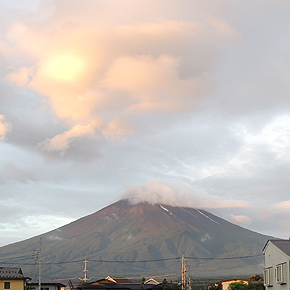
(14, 284)
(273, 258)
(45, 287)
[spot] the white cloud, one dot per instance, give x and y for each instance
(155, 191)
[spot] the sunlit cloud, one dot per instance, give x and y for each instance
(90, 77)
(284, 205)
(242, 220)
(5, 127)
(62, 141)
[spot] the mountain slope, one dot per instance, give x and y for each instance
(124, 232)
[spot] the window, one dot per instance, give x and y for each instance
(280, 273)
(268, 280)
(6, 285)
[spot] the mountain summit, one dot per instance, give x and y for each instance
(143, 240)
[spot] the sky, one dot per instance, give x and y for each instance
(175, 102)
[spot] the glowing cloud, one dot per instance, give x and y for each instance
(5, 127)
(62, 141)
(241, 220)
(64, 67)
(87, 71)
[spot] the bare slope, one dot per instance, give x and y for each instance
(124, 232)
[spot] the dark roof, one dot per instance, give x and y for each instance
(122, 280)
(65, 282)
(47, 283)
(12, 273)
(131, 286)
(102, 286)
(283, 245)
(119, 280)
(160, 286)
(93, 286)
(114, 286)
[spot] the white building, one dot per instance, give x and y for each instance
(276, 271)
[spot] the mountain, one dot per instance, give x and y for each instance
(141, 240)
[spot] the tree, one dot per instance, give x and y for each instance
(238, 286)
(216, 287)
(142, 283)
(255, 278)
(164, 284)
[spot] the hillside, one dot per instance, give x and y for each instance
(123, 233)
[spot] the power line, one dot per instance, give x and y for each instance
(226, 258)
(140, 261)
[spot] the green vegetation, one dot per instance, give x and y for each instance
(142, 283)
(244, 286)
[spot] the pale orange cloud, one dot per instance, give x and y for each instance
(284, 205)
(5, 127)
(98, 75)
(242, 220)
(154, 82)
(61, 142)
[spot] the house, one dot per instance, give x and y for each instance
(225, 283)
(45, 285)
(151, 281)
(118, 283)
(116, 280)
(68, 284)
(276, 271)
(12, 278)
(103, 286)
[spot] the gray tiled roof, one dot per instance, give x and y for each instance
(283, 245)
(11, 273)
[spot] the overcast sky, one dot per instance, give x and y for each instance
(174, 102)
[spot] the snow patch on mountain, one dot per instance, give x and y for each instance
(207, 216)
(165, 209)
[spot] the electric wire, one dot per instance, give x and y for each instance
(139, 261)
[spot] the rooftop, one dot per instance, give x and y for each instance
(283, 245)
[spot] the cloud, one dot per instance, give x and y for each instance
(61, 142)
(13, 172)
(241, 220)
(153, 84)
(54, 238)
(155, 191)
(283, 205)
(112, 77)
(5, 127)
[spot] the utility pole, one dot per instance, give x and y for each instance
(85, 270)
(183, 271)
(39, 265)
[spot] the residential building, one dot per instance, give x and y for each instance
(276, 271)
(12, 278)
(225, 283)
(45, 286)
